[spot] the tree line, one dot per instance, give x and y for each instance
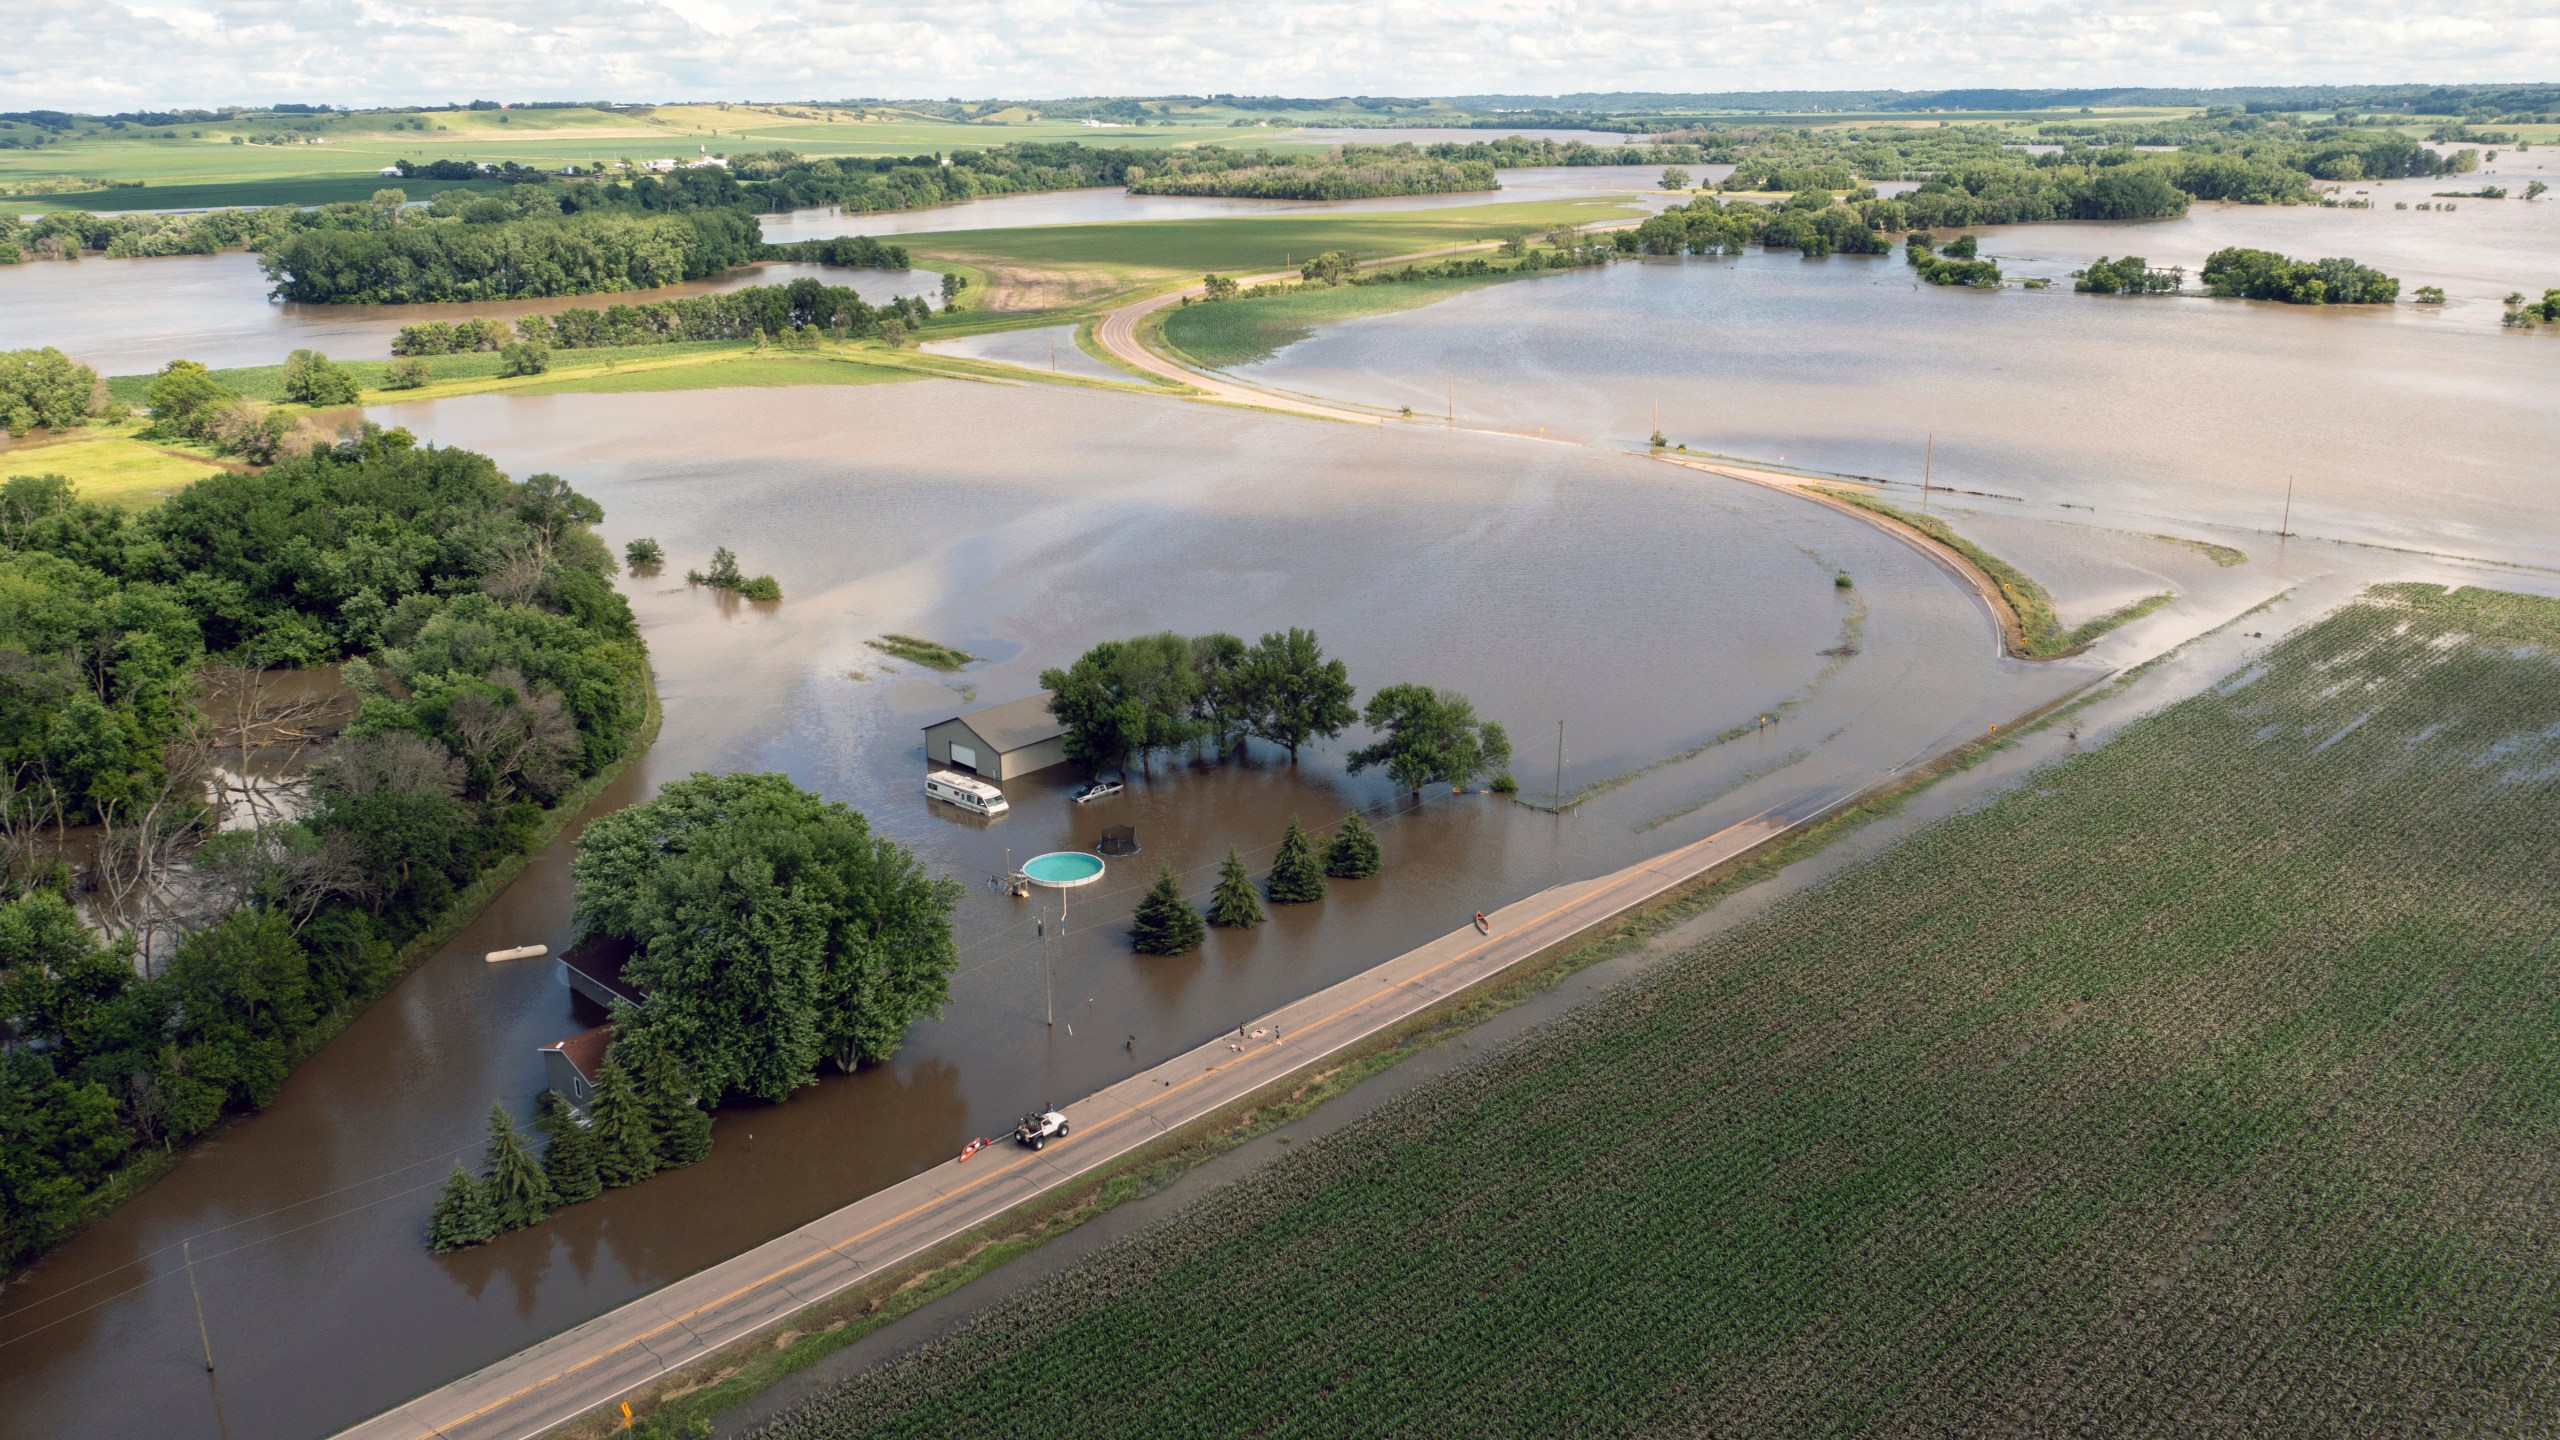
(2244, 274)
(2131, 275)
(1165, 923)
(187, 969)
(773, 310)
(1345, 172)
(1134, 700)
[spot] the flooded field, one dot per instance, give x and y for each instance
(123, 317)
(1658, 614)
(2401, 426)
(1650, 611)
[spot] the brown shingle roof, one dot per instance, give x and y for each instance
(1014, 725)
(585, 1050)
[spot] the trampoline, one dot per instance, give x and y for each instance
(1118, 840)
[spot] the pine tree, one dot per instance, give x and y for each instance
(1234, 904)
(682, 1127)
(1165, 923)
(1353, 855)
(1296, 877)
(626, 1141)
(569, 1160)
(518, 1192)
(462, 1217)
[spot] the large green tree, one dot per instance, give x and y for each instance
(1127, 700)
(771, 929)
(1429, 737)
(518, 1191)
(44, 387)
(1296, 694)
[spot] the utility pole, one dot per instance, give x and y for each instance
(1928, 463)
(202, 1333)
(1559, 767)
(2286, 528)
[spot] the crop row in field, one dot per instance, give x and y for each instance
(2207, 1084)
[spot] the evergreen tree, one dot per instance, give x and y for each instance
(1296, 877)
(1353, 855)
(1165, 923)
(518, 1192)
(462, 1217)
(569, 1160)
(1234, 904)
(626, 1141)
(683, 1128)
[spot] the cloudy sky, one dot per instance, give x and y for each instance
(119, 54)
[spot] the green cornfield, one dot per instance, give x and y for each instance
(2205, 1084)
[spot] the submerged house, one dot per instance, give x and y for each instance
(594, 971)
(569, 1064)
(1000, 742)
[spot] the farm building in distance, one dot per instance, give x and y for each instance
(999, 742)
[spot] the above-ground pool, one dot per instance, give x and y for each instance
(1062, 869)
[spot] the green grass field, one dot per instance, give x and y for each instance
(1240, 332)
(2209, 1083)
(1065, 266)
(746, 370)
(199, 166)
(110, 466)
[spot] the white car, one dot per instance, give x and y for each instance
(1038, 1130)
(1098, 790)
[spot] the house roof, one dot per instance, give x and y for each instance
(601, 960)
(1014, 725)
(585, 1050)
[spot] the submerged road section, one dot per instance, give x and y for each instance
(597, 1363)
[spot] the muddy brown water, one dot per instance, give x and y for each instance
(1653, 610)
(2406, 427)
(126, 317)
(1647, 608)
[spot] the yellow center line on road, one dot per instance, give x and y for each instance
(680, 1321)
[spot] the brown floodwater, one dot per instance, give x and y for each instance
(1651, 610)
(2399, 426)
(125, 317)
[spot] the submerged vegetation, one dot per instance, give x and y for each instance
(1882, 1154)
(928, 653)
(2243, 274)
(725, 574)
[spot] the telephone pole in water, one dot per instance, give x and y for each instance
(2286, 528)
(1928, 463)
(202, 1333)
(1559, 767)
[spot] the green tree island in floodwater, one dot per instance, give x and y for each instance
(771, 930)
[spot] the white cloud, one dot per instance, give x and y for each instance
(122, 54)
